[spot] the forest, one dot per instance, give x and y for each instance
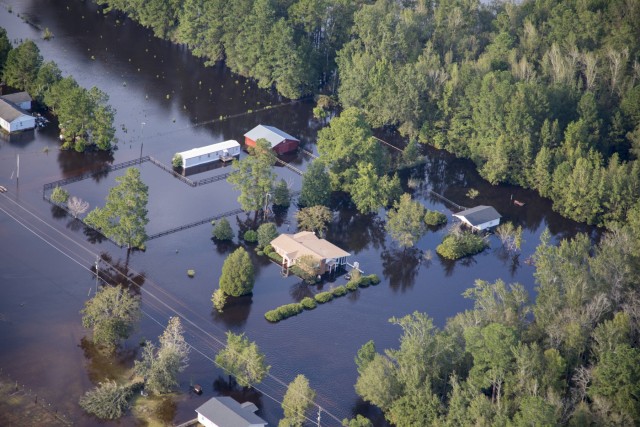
(542, 94)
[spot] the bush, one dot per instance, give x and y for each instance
(222, 230)
(308, 303)
(456, 246)
(339, 291)
(108, 401)
(266, 233)
(283, 312)
(303, 274)
(59, 195)
(267, 249)
(323, 297)
(351, 286)
(435, 218)
(250, 236)
(274, 256)
(176, 162)
(191, 273)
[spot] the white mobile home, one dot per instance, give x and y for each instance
(223, 151)
(479, 218)
(13, 119)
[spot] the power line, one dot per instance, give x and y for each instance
(158, 302)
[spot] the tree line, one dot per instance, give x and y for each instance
(541, 94)
(84, 116)
(570, 357)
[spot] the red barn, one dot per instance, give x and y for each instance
(281, 142)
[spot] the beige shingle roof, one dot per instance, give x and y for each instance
(307, 243)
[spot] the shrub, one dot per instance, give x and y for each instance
(59, 195)
(308, 303)
(339, 291)
(219, 299)
(176, 162)
(351, 286)
(267, 249)
(456, 246)
(250, 236)
(435, 218)
(108, 401)
(283, 312)
(222, 230)
(323, 297)
(274, 256)
(259, 252)
(191, 273)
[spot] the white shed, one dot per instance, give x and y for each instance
(14, 119)
(479, 218)
(226, 412)
(210, 153)
(20, 99)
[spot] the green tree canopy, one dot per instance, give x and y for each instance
(405, 222)
(22, 65)
(297, 400)
(314, 218)
(266, 233)
(281, 195)
(160, 366)
(253, 177)
(242, 359)
(237, 274)
(222, 230)
(112, 314)
(124, 216)
(316, 185)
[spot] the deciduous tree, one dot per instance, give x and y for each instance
(242, 359)
(112, 314)
(405, 222)
(314, 218)
(22, 65)
(297, 400)
(316, 185)
(253, 177)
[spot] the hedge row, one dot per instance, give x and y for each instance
(307, 303)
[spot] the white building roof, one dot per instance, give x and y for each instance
(17, 98)
(226, 412)
(478, 215)
(195, 152)
(274, 135)
(10, 112)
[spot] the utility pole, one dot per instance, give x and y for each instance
(18, 169)
(97, 276)
(319, 410)
(266, 204)
(141, 139)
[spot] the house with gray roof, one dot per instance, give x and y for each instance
(224, 411)
(479, 218)
(281, 142)
(21, 99)
(13, 118)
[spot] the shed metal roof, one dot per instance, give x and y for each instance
(10, 112)
(17, 98)
(225, 411)
(195, 152)
(479, 215)
(274, 135)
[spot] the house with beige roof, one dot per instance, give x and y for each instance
(292, 246)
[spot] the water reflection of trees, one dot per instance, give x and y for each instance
(93, 236)
(118, 273)
(229, 387)
(57, 212)
(102, 366)
(356, 231)
(236, 312)
(300, 290)
(72, 163)
(401, 267)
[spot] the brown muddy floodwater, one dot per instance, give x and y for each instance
(166, 102)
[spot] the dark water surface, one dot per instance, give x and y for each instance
(166, 102)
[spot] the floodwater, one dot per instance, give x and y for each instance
(167, 102)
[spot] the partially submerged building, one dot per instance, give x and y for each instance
(479, 218)
(222, 151)
(226, 412)
(13, 118)
(281, 142)
(293, 246)
(20, 99)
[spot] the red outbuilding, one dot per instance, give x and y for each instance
(281, 142)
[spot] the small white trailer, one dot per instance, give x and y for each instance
(222, 151)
